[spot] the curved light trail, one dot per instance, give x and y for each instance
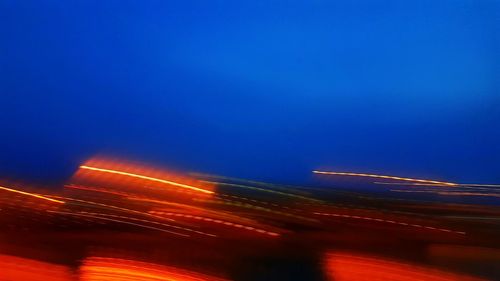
(385, 177)
(194, 188)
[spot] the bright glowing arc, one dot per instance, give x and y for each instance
(147, 178)
(31, 194)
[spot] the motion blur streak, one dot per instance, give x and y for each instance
(468, 194)
(118, 221)
(350, 267)
(31, 194)
(386, 177)
(264, 190)
(253, 207)
(253, 183)
(391, 222)
(179, 206)
(111, 269)
(21, 269)
(100, 215)
(454, 193)
(122, 221)
(112, 207)
(461, 185)
(147, 178)
(96, 190)
(217, 221)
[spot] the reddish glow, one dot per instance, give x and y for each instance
(349, 267)
(386, 177)
(111, 269)
(31, 194)
(21, 269)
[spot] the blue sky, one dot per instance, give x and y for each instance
(259, 89)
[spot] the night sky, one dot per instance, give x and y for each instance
(267, 90)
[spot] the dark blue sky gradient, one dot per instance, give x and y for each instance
(265, 89)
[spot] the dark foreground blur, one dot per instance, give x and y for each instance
(122, 221)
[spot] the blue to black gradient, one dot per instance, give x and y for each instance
(263, 89)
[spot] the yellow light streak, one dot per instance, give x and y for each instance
(31, 194)
(385, 177)
(147, 178)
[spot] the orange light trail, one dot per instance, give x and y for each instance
(147, 178)
(386, 177)
(31, 194)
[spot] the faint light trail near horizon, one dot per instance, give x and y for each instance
(31, 194)
(390, 221)
(441, 183)
(147, 178)
(262, 189)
